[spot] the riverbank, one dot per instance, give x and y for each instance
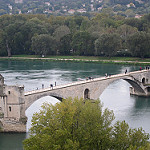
(113, 60)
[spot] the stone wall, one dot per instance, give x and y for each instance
(11, 125)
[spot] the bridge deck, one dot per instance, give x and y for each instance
(82, 82)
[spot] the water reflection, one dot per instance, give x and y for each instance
(11, 141)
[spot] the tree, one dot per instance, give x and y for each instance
(138, 44)
(65, 45)
(83, 43)
(3, 51)
(107, 44)
(44, 44)
(125, 31)
(130, 13)
(77, 124)
(71, 124)
(134, 22)
(32, 27)
(60, 32)
(11, 32)
(127, 138)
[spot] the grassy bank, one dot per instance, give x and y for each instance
(116, 60)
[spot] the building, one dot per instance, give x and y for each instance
(19, 1)
(71, 11)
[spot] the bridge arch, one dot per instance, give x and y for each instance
(31, 99)
(137, 87)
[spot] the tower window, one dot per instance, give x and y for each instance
(9, 108)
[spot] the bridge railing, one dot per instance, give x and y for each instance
(84, 82)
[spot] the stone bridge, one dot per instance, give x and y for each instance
(14, 101)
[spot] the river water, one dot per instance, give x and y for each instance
(32, 74)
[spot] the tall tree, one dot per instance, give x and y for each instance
(44, 44)
(65, 45)
(60, 32)
(107, 44)
(138, 44)
(3, 51)
(125, 31)
(83, 43)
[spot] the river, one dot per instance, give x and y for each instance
(32, 74)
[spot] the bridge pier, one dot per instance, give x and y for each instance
(146, 94)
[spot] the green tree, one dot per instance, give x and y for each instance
(96, 30)
(3, 51)
(134, 22)
(60, 32)
(77, 124)
(125, 31)
(33, 26)
(65, 45)
(107, 44)
(83, 43)
(71, 124)
(11, 34)
(43, 44)
(127, 138)
(138, 44)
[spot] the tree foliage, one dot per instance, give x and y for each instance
(74, 35)
(44, 44)
(139, 44)
(65, 45)
(107, 44)
(83, 43)
(60, 32)
(77, 124)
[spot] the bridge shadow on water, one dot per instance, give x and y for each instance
(141, 102)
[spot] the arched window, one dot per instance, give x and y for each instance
(9, 108)
(86, 94)
(143, 80)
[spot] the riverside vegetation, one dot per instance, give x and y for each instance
(77, 124)
(102, 35)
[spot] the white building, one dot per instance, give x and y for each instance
(19, 1)
(71, 11)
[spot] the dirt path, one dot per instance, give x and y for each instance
(77, 60)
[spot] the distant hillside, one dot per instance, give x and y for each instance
(128, 8)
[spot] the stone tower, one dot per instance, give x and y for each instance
(12, 107)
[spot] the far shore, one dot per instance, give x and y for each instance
(113, 60)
